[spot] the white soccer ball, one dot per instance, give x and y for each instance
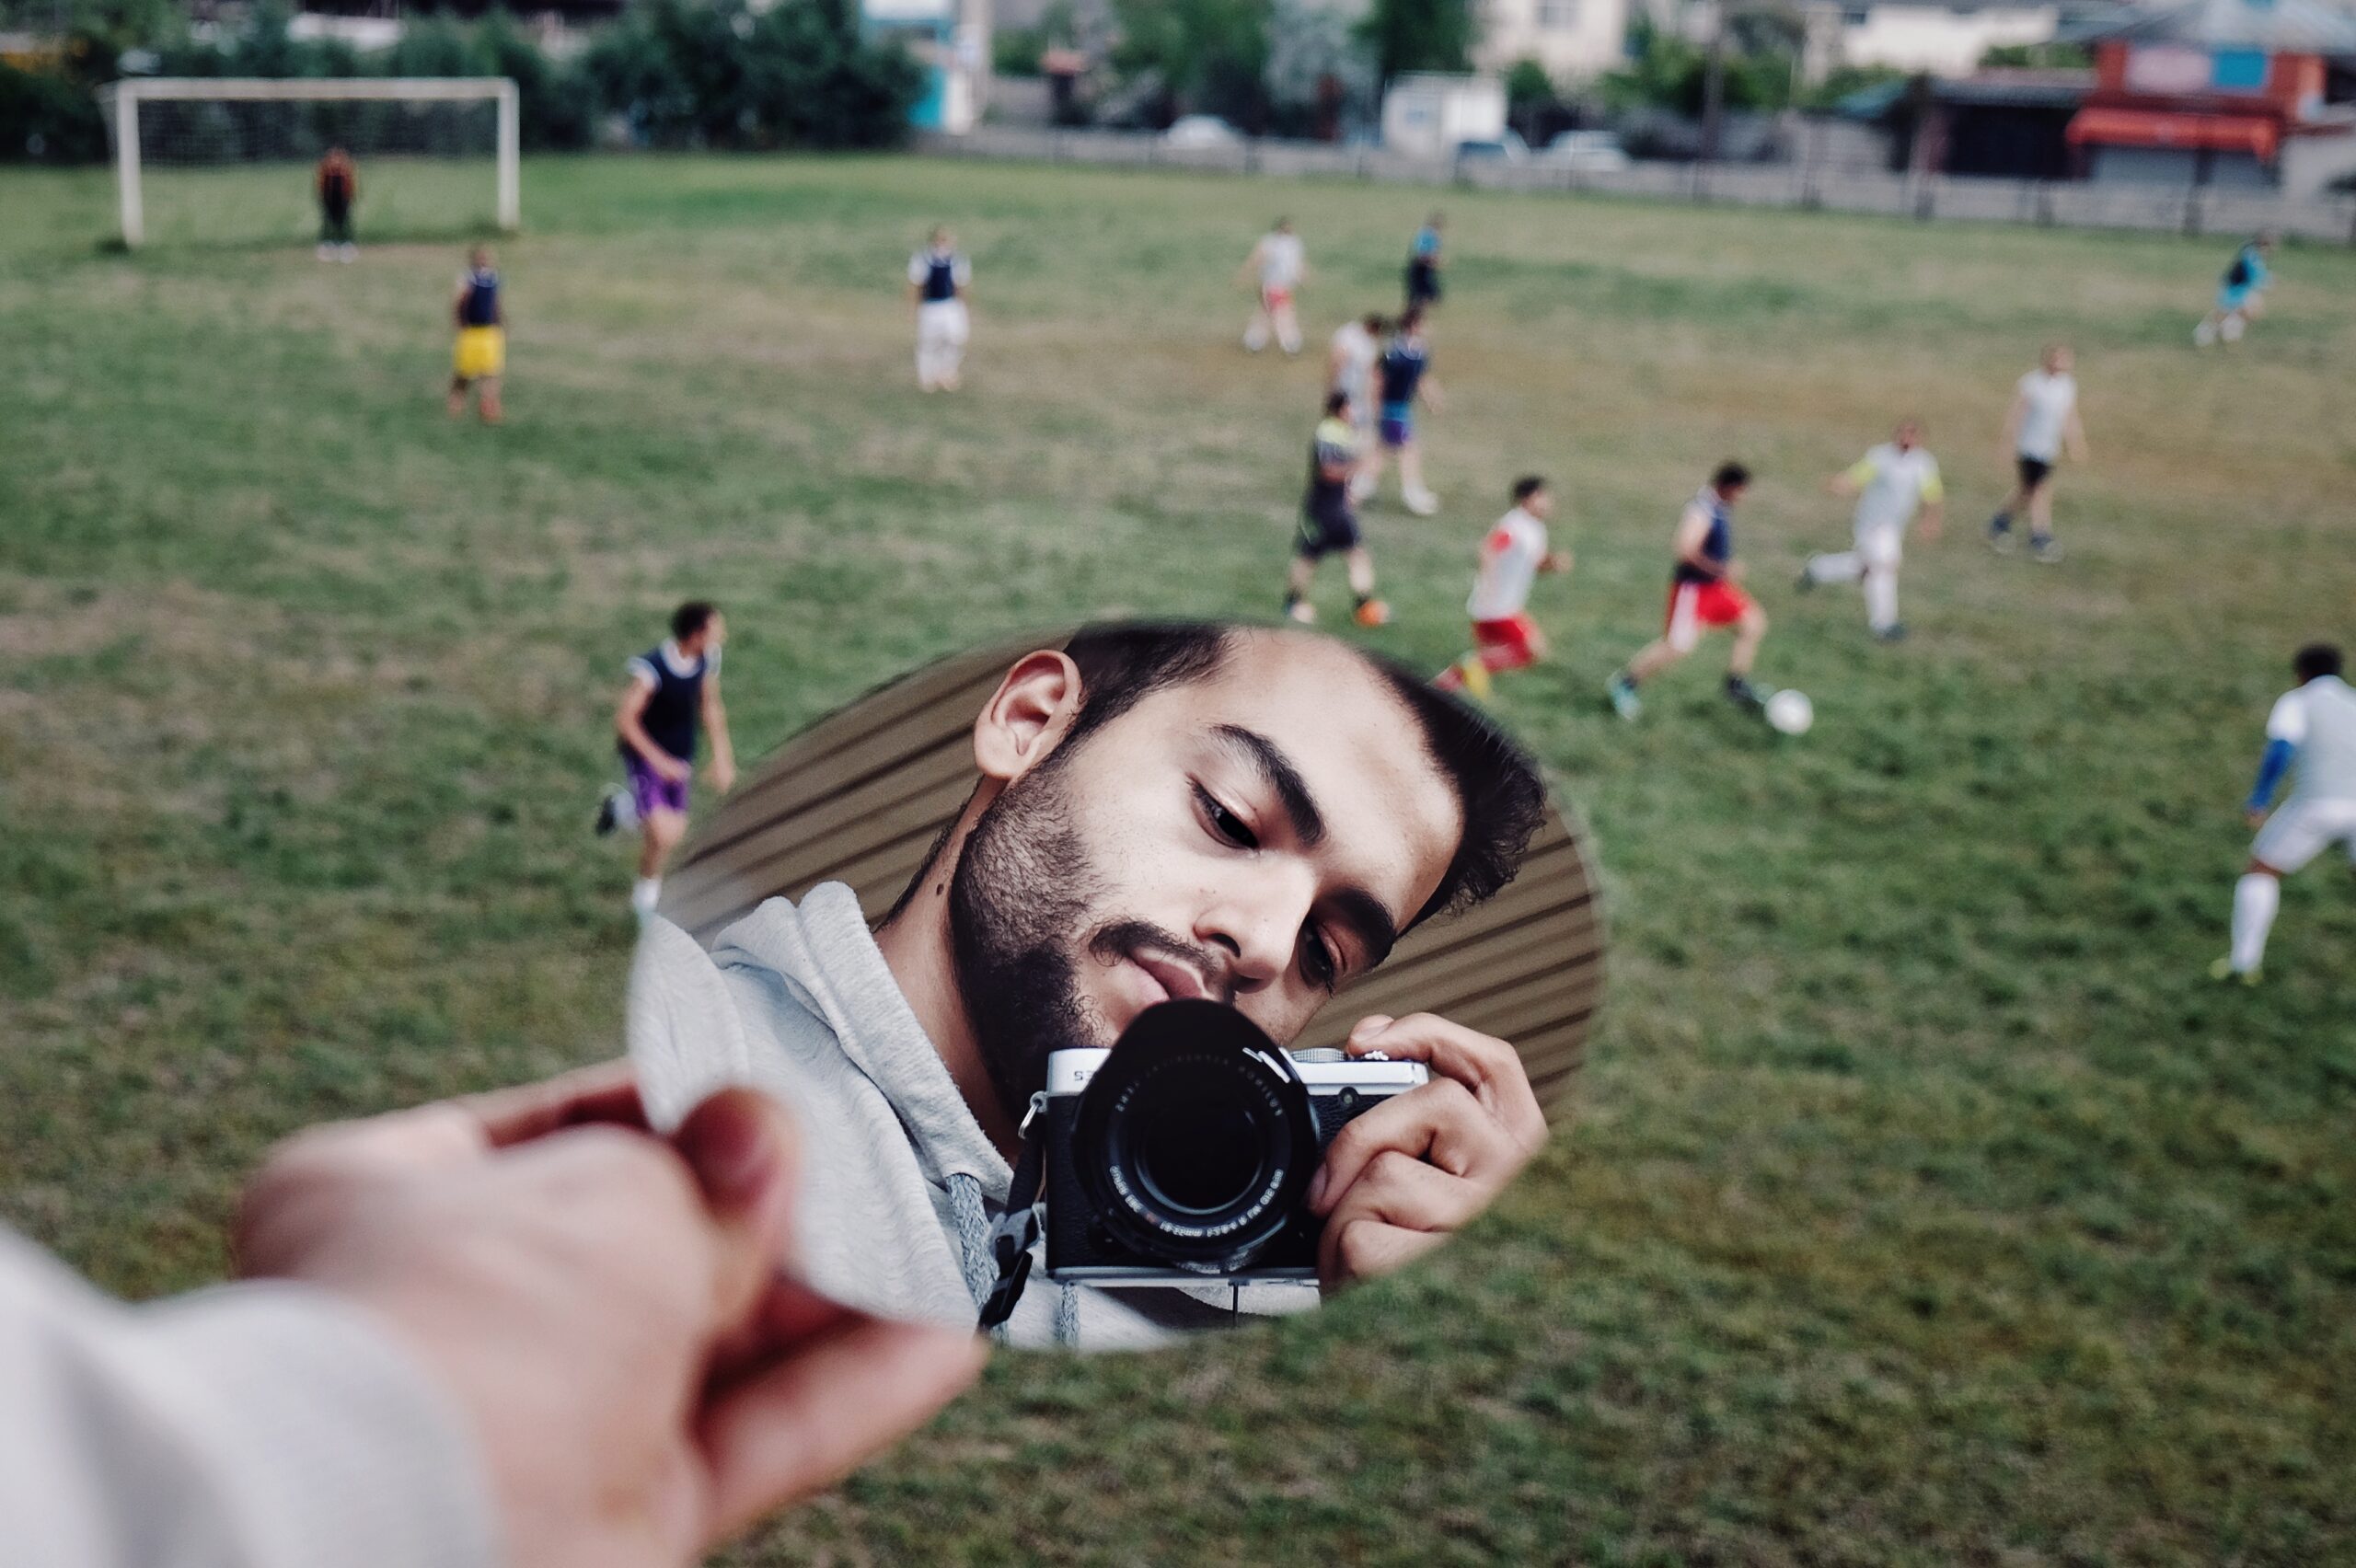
(1790, 712)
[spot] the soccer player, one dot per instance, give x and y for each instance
(1514, 553)
(673, 691)
(1705, 590)
(1279, 264)
(1402, 377)
(2311, 734)
(2241, 295)
(1349, 366)
(2042, 421)
(1328, 524)
(938, 279)
(1889, 482)
(480, 357)
(338, 188)
(1423, 264)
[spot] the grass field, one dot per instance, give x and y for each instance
(1927, 1204)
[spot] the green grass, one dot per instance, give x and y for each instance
(1927, 1204)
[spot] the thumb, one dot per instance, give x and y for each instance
(743, 1148)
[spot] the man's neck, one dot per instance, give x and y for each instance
(916, 949)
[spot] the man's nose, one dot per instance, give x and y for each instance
(1256, 924)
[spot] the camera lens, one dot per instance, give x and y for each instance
(1194, 1141)
(1198, 1148)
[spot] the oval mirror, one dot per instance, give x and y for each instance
(1091, 920)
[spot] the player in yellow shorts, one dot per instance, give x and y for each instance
(481, 358)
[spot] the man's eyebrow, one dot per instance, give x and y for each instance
(1269, 761)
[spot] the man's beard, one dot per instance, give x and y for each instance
(1019, 903)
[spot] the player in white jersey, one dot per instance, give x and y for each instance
(1514, 553)
(2043, 423)
(1276, 264)
(1349, 366)
(2311, 734)
(1890, 482)
(938, 279)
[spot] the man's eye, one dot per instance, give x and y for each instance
(1318, 962)
(1225, 822)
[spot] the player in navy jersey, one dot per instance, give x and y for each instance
(1328, 525)
(938, 280)
(1705, 590)
(480, 357)
(1403, 378)
(673, 691)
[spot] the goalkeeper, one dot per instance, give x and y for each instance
(338, 188)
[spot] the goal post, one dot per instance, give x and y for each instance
(121, 101)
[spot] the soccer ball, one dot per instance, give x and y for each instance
(1790, 712)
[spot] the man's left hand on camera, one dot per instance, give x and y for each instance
(1397, 1180)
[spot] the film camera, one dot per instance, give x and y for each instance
(1184, 1154)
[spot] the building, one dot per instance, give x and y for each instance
(2223, 92)
(1575, 40)
(1426, 113)
(1939, 40)
(951, 39)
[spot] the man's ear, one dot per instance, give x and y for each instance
(1030, 712)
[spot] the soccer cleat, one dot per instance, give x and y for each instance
(1894, 632)
(2045, 550)
(2224, 970)
(1301, 612)
(1476, 676)
(2204, 335)
(2232, 329)
(1807, 581)
(1743, 695)
(2000, 538)
(617, 810)
(1372, 612)
(1622, 693)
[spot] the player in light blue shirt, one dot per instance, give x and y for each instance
(2241, 295)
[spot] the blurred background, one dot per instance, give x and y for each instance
(1927, 1202)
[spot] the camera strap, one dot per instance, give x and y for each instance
(1017, 1231)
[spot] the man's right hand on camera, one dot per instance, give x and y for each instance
(1400, 1178)
(605, 1308)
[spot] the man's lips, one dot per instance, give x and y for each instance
(1176, 979)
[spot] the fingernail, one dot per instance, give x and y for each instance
(1317, 1189)
(727, 1142)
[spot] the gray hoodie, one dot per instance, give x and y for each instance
(899, 1185)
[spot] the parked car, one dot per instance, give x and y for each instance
(1508, 148)
(1201, 130)
(1588, 152)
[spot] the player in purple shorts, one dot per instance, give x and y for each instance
(673, 691)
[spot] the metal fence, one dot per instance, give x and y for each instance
(1841, 186)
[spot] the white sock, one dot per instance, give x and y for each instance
(645, 894)
(2256, 898)
(1255, 336)
(1881, 599)
(1845, 566)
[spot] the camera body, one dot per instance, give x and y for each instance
(1182, 1155)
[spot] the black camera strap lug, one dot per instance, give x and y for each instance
(1017, 1231)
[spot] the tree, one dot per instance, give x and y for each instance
(1530, 96)
(1319, 74)
(1419, 35)
(1207, 55)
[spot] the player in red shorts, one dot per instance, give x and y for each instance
(1514, 553)
(1704, 591)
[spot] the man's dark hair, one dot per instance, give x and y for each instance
(1730, 476)
(691, 617)
(2316, 659)
(1336, 402)
(1528, 485)
(1372, 321)
(1497, 785)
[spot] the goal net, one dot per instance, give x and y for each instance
(231, 160)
